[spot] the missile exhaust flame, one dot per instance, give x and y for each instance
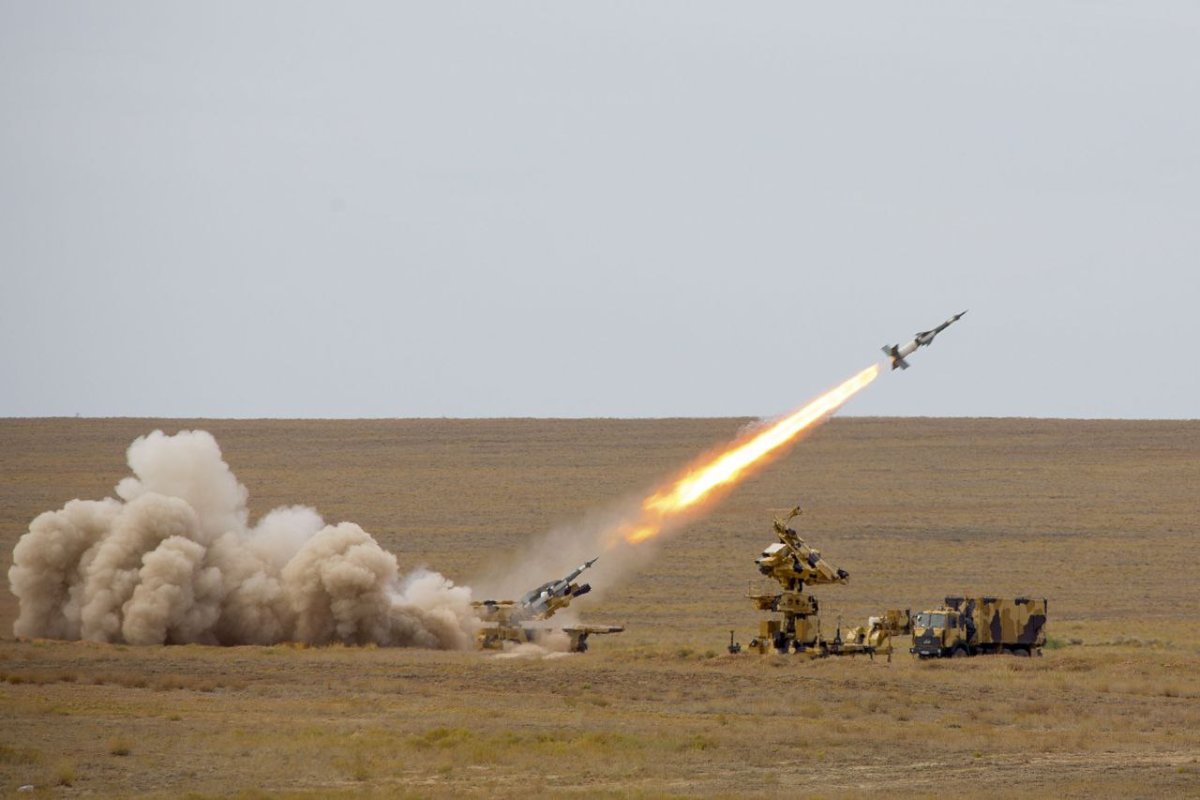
(729, 466)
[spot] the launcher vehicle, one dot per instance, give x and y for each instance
(512, 622)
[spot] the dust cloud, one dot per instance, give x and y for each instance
(175, 560)
(551, 644)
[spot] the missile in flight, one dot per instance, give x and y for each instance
(923, 339)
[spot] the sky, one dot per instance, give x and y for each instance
(625, 209)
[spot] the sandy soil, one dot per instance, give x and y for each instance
(1099, 517)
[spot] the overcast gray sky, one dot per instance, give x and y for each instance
(597, 209)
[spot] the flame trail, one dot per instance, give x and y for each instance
(732, 464)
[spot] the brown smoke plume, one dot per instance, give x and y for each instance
(175, 561)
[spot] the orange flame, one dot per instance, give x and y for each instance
(733, 463)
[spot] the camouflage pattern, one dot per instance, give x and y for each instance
(972, 625)
(793, 565)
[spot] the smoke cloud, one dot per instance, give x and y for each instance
(176, 561)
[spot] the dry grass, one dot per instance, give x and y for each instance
(64, 774)
(1097, 516)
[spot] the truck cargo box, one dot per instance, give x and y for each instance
(995, 622)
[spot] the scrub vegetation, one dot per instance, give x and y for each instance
(1097, 516)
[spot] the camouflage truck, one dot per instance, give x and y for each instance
(967, 626)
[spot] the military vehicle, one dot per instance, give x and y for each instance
(966, 626)
(509, 622)
(794, 565)
(876, 635)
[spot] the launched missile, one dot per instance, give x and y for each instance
(923, 339)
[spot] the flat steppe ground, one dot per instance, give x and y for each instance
(1100, 517)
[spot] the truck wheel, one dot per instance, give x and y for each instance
(959, 652)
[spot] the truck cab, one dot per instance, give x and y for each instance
(938, 633)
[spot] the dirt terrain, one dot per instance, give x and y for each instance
(1100, 517)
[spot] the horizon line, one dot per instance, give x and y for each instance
(630, 418)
